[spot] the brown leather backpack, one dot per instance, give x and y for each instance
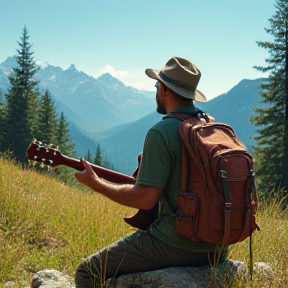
(217, 202)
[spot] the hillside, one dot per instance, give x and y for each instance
(41, 226)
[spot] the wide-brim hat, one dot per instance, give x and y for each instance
(181, 76)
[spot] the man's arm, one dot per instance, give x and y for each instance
(136, 196)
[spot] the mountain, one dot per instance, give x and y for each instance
(124, 143)
(102, 103)
(92, 104)
(118, 117)
(236, 107)
(5, 69)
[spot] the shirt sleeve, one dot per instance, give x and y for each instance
(156, 161)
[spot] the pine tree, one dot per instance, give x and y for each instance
(89, 158)
(1, 115)
(98, 157)
(63, 138)
(272, 138)
(47, 120)
(66, 147)
(20, 123)
(1, 97)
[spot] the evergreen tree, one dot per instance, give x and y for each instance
(272, 138)
(89, 158)
(47, 120)
(66, 147)
(98, 157)
(108, 165)
(63, 138)
(1, 97)
(1, 115)
(20, 123)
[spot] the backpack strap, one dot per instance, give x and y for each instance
(228, 204)
(183, 116)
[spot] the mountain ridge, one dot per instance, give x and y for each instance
(107, 112)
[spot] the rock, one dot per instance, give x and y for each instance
(12, 284)
(50, 278)
(180, 277)
(9, 284)
(194, 277)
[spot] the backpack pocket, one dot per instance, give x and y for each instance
(232, 181)
(187, 209)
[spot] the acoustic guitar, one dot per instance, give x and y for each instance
(51, 157)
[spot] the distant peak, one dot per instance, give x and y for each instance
(10, 62)
(108, 79)
(42, 64)
(106, 76)
(73, 68)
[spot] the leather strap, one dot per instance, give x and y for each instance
(227, 207)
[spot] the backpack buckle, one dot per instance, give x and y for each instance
(228, 206)
(223, 174)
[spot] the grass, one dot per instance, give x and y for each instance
(46, 224)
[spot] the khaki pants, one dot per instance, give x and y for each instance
(135, 253)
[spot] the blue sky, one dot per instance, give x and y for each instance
(124, 37)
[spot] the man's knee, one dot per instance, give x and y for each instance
(83, 278)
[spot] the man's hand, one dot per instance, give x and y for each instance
(87, 177)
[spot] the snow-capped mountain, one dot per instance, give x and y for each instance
(92, 104)
(118, 117)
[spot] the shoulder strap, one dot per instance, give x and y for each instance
(183, 116)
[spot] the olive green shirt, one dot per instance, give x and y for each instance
(161, 166)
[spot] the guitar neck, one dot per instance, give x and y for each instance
(107, 174)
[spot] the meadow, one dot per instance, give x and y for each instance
(47, 224)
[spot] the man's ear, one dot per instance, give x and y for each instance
(165, 90)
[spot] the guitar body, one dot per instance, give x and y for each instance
(142, 218)
(37, 152)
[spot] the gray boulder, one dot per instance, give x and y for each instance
(181, 277)
(50, 278)
(195, 277)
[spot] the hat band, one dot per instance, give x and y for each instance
(178, 83)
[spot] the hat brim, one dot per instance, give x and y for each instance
(194, 95)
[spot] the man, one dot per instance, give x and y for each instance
(158, 183)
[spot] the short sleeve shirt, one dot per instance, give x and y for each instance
(161, 166)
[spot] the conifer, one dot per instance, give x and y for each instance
(20, 123)
(89, 158)
(98, 157)
(63, 138)
(272, 120)
(47, 120)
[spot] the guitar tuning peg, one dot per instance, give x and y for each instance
(53, 146)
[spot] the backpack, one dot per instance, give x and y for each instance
(217, 201)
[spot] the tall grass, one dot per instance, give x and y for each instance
(46, 224)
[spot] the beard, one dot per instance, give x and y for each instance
(161, 109)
